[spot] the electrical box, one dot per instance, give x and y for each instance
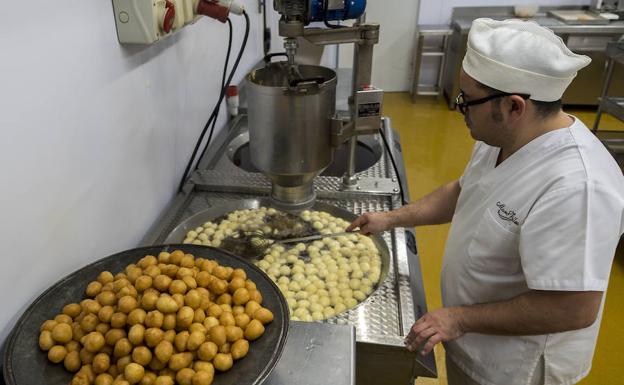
(147, 21)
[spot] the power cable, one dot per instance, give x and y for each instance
(394, 165)
(215, 111)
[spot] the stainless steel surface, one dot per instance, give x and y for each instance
(317, 354)
(585, 39)
(384, 319)
(26, 364)
(290, 132)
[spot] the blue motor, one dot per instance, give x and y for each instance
(321, 10)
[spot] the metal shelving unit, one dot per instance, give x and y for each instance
(613, 105)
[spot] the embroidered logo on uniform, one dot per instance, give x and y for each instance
(505, 214)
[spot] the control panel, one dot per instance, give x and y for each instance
(148, 21)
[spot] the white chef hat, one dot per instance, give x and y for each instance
(522, 57)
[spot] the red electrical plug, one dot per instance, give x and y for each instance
(219, 9)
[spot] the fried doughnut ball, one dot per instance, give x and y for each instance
(104, 379)
(136, 334)
(57, 353)
(223, 362)
(142, 355)
(242, 320)
(166, 304)
(217, 335)
(254, 330)
(239, 349)
(241, 296)
(195, 340)
(207, 351)
(93, 289)
(263, 315)
(164, 351)
(72, 361)
(48, 325)
(107, 298)
(101, 363)
(126, 304)
(72, 310)
(46, 342)
(62, 333)
(185, 376)
(153, 336)
(149, 301)
(134, 372)
(123, 347)
(105, 277)
(106, 313)
(180, 361)
(203, 378)
(185, 317)
(94, 341)
(136, 316)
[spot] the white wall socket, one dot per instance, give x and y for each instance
(147, 21)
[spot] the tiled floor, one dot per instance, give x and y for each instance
(437, 146)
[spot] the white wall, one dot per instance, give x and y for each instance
(392, 61)
(94, 135)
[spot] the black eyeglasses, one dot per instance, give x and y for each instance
(462, 105)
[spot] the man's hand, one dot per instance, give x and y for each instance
(440, 325)
(372, 223)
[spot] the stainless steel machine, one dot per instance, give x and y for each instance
(295, 127)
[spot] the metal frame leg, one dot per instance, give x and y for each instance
(605, 90)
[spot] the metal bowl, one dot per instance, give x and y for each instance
(25, 364)
(179, 233)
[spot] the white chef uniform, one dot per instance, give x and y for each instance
(548, 218)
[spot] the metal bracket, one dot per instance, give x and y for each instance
(367, 34)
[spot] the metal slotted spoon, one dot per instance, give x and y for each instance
(256, 243)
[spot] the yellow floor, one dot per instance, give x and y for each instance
(437, 146)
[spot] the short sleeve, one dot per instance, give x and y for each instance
(568, 240)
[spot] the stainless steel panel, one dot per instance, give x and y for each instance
(316, 354)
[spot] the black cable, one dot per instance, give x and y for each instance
(396, 169)
(223, 77)
(217, 106)
(266, 29)
(225, 87)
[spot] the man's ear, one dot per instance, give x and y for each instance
(517, 106)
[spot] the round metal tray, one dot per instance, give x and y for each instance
(25, 364)
(178, 234)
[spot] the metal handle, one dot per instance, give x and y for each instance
(314, 237)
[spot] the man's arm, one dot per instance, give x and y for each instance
(436, 208)
(532, 313)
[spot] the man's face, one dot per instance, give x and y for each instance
(485, 121)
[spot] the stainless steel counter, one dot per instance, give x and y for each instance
(590, 40)
(316, 354)
(382, 320)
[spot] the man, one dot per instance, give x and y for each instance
(536, 218)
